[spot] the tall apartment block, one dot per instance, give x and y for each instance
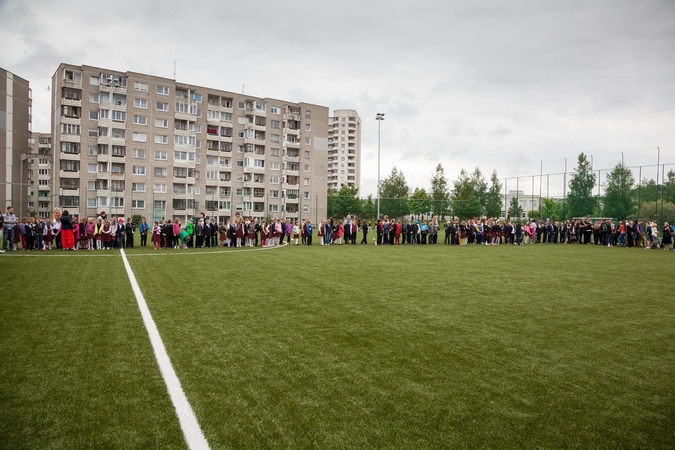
(40, 173)
(131, 143)
(15, 135)
(344, 149)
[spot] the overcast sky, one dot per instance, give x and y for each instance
(488, 84)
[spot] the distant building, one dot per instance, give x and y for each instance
(15, 134)
(132, 143)
(344, 149)
(527, 202)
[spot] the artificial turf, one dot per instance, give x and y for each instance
(544, 346)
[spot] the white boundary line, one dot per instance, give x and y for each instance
(239, 250)
(194, 437)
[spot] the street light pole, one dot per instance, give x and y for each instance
(379, 117)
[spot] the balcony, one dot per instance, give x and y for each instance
(212, 152)
(70, 102)
(70, 119)
(69, 174)
(188, 180)
(118, 176)
(102, 158)
(292, 131)
(291, 116)
(70, 156)
(65, 191)
(293, 145)
(254, 141)
(112, 88)
(293, 159)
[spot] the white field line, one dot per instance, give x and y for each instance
(175, 252)
(194, 437)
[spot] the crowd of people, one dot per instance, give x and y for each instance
(65, 232)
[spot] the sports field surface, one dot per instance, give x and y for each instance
(345, 347)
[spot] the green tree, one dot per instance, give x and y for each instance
(493, 198)
(368, 207)
(468, 194)
(619, 200)
(343, 202)
(439, 192)
(394, 194)
(419, 202)
(657, 211)
(551, 209)
(515, 210)
(580, 201)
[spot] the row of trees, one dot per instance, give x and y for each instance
(473, 196)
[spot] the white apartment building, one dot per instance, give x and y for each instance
(131, 143)
(344, 149)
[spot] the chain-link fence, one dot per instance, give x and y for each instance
(639, 192)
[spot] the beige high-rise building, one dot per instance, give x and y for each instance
(131, 143)
(41, 195)
(344, 149)
(15, 140)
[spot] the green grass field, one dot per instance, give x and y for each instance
(343, 347)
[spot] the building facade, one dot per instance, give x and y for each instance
(344, 149)
(40, 173)
(136, 144)
(15, 140)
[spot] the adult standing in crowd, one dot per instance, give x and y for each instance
(8, 224)
(67, 237)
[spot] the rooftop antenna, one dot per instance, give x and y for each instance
(174, 70)
(242, 89)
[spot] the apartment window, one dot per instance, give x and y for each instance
(161, 106)
(225, 204)
(69, 201)
(240, 163)
(140, 103)
(274, 166)
(161, 139)
(226, 117)
(160, 156)
(184, 140)
(93, 151)
(308, 126)
(274, 180)
(307, 155)
(275, 124)
(213, 115)
(138, 153)
(275, 110)
(305, 208)
(241, 120)
(307, 167)
(160, 204)
(162, 123)
(138, 204)
(308, 141)
(305, 195)
(306, 181)
(160, 171)
(211, 174)
(138, 170)
(162, 90)
(140, 137)
(143, 87)
(140, 120)
(196, 97)
(93, 115)
(274, 152)
(137, 187)
(66, 166)
(94, 81)
(273, 208)
(92, 168)
(274, 138)
(69, 128)
(117, 202)
(242, 105)
(104, 114)
(241, 134)
(93, 132)
(159, 189)
(180, 172)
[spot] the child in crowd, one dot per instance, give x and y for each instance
(89, 233)
(296, 232)
(156, 236)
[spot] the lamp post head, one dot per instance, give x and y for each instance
(379, 116)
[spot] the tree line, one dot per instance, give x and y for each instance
(472, 195)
